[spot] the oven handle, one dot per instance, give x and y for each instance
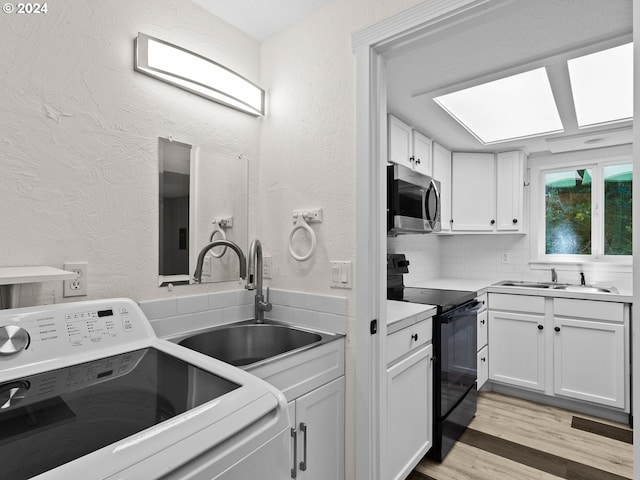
(463, 310)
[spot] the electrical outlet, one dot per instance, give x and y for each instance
(78, 286)
(266, 266)
(504, 257)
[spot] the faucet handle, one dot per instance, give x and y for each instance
(267, 304)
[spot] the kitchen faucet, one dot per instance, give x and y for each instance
(197, 275)
(582, 280)
(554, 275)
(254, 282)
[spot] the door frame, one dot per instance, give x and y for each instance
(369, 46)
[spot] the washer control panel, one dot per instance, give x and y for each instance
(38, 334)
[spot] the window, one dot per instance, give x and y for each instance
(586, 212)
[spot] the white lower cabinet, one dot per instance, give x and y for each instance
(517, 349)
(578, 349)
(483, 366)
(589, 360)
(317, 435)
(409, 401)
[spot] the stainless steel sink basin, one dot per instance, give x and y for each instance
(247, 344)
(558, 286)
(585, 289)
(523, 284)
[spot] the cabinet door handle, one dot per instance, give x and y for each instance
(294, 439)
(482, 322)
(515, 220)
(493, 222)
(417, 161)
(540, 327)
(415, 337)
(483, 359)
(412, 159)
(557, 329)
(303, 463)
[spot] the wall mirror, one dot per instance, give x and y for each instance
(203, 195)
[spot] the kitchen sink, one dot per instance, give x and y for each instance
(558, 286)
(248, 344)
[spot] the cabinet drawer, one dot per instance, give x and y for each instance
(482, 329)
(483, 367)
(402, 342)
(516, 303)
(592, 309)
(483, 300)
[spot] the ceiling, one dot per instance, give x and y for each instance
(261, 19)
(517, 37)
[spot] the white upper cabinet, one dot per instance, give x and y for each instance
(473, 190)
(409, 147)
(487, 192)
(422, 146)
(510, 191)
(442, 173)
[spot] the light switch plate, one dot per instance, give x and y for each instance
(341, 275)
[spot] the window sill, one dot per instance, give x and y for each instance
(620, 266)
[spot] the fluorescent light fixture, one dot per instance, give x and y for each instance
(514, 107)
(602, 85)
(196, 74)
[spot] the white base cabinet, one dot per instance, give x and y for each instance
(318, 433)
(578, 349)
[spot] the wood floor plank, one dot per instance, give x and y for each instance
(538, 431)
(465, 462)
(549, 429)
(605, 430)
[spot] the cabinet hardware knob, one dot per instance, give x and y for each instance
(482, 322)
(417, 161)
(483, 359)
(415, 337)
(540, 327)
(557, 329)
(412, 159)
(493, 222)
(515, 220)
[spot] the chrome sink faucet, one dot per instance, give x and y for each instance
(554, 276)
(197, 275)
(583, 282)
(254, 282)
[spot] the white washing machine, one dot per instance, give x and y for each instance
(88, 391)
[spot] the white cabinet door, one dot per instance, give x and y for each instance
(483, 336)
(442, 173)
(483, 366)
(510, 191)
(409, 412)
(517, 349)
(422, 146)
(589, 361)
(319, 423)
(400, 142)
(473, 201)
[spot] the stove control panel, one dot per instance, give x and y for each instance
(39, 334)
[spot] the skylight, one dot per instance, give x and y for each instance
(602, 85)
(513, 107)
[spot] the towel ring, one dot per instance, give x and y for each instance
(301, 224)
(217, 228)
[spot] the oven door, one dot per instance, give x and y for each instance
(457, 360)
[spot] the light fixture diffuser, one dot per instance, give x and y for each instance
(196, 74)
(602, 85)
(513, 107)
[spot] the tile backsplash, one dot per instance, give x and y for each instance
(194, 312)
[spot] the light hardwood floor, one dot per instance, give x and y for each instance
(514, 439)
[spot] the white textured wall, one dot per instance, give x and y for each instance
(307, 152)
(79, 137)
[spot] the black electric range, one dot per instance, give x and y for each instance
(455, 348)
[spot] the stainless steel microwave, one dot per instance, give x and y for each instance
(413, 201)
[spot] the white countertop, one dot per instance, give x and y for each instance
(485, 285)
(403, 314)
